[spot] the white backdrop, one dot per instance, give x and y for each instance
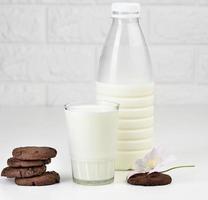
(49, 49)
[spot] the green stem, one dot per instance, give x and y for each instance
(177, 167)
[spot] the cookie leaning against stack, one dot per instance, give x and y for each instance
(28, 168)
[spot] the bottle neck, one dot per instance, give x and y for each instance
(126, 20)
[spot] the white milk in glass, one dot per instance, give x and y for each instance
(92, 139)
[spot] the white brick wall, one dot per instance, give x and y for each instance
(202, 64)
(60, 94)
(179, 25)
(49, 49)
(173, 64)
(46, 63)
(22, 24)
(20, 94)
(78, 24)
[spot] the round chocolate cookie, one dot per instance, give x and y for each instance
(48, 178)
(152, 179)
(12, 172)
(34, 153)
(14, 162)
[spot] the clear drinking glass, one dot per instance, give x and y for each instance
(92, 141)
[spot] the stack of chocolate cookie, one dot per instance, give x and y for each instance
(28, 166)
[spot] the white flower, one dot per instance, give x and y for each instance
(157, 160)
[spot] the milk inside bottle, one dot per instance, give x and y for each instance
(125, 77)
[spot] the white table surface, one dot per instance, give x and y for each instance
(182, 129)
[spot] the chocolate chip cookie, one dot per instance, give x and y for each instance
(152, 179)
(34, 153)
(14, 162)
(48, 178)
(13, 172)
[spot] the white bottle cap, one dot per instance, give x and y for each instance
(125, 10)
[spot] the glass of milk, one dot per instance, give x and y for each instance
(92, 141)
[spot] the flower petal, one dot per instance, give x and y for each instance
(156, 160)
(140, 165)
